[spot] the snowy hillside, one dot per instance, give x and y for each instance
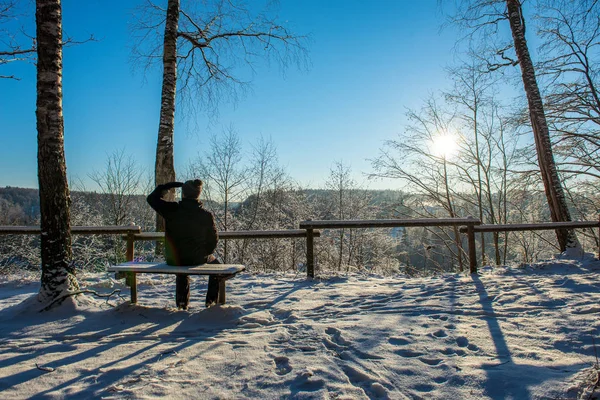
(508, 333)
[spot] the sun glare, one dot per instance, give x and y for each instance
(445, 146)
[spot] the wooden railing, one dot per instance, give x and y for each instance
(309, 230)
(133, 233)
(223, 235)
(540, 226)
(469, 223)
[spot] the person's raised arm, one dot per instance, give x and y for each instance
(155, 199)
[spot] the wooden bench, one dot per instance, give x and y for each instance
(130, 269)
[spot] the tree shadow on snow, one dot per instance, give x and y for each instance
(505, 378)
(83, 336)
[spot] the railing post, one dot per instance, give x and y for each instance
(129, 253)
(472, 250)
(310, 254)
(130, 277)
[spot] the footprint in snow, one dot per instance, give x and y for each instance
(473, 347)
(363, 380)
(398, 341)
(305, 381)
(409, 353)
(430, 361)
(448, 351)
(440, 333)
(282, 365)
(424, 387)
(336, 337)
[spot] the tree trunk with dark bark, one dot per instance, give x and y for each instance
(165, 167)
(552, 185)
(58, 273)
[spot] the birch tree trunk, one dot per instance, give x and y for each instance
(552, 185)
(164, 170)
(58, 273)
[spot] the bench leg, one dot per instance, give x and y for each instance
(132, 280)
(221, 299)
(127, 278)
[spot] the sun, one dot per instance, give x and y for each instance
(444, 145)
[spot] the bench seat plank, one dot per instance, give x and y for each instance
(163, 268)
(221, 271)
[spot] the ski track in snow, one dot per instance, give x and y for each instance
(506, 333)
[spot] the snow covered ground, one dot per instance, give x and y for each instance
(515, 333)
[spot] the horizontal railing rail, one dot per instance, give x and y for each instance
(310, 225)
(540, 226)
(386, 223)
(289, 233)
(80, 230)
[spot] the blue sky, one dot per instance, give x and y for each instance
(370, 60)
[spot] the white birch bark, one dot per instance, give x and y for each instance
(164, 167)
(58, 273)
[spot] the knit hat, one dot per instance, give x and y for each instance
(192, 189)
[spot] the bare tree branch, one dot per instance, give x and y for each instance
(216, 43)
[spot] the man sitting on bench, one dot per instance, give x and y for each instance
(190, 236)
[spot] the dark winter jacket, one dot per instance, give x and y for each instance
(190, 232)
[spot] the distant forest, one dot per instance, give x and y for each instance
(411, 251)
